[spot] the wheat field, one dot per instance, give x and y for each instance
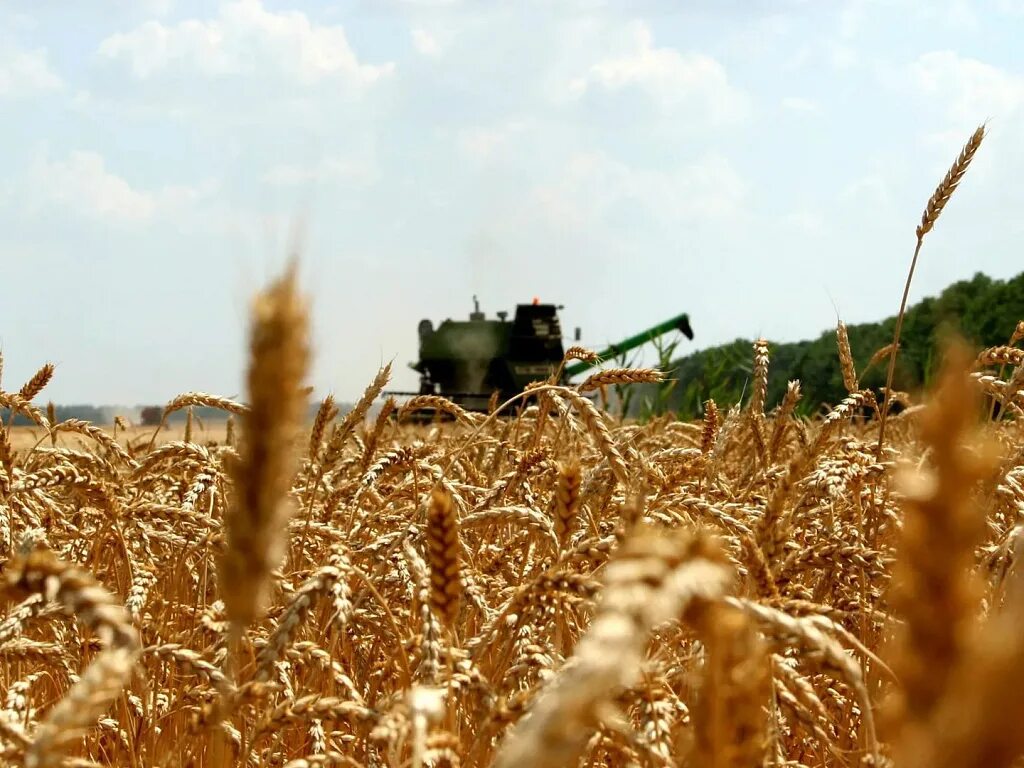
(131, 436)
(540, 585)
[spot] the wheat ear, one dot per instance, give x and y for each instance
(444, 557)
(78, 594)
(656, 577)
(255, 522)
(932, 210)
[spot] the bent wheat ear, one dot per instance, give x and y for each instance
(341, 432)
(580, 353)
(620, 376)
(37, 383)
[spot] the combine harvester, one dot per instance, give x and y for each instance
(468, 361)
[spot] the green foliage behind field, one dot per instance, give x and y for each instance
(983, 310)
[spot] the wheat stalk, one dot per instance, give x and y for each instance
(255, 522)
(931, 213)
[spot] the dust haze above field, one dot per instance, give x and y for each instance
(760, 166)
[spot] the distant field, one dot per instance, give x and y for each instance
(24, 438)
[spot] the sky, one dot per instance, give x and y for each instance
(759, 165)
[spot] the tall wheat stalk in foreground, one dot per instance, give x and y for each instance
(256, 521)
(931, 214)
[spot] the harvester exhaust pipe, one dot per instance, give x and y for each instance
(476, 314)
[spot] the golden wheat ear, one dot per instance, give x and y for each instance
(846, 359)
(325, 415)
(37, 571)
(444, 557)
(37, 383)
(256, 519)
(949, 183)
(567, 499)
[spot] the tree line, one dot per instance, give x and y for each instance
(983, 310)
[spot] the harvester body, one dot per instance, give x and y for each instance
(467, 361)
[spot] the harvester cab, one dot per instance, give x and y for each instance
(468, 360)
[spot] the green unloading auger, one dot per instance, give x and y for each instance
(677, 323)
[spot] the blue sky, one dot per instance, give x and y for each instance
(759, 165)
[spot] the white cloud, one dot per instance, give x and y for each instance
(331, 169)
(484, 143)
(23, 72)
(429, 4)
(860, 17)
(245, 38)
(425, 43)
(798, 104)
(81, 100)
(158, 7)
(956, 14)
(843, 56)
(433, 40)
(971, 90)
(670, 77)
(851, 18)
(593, 186)
(804, 222)
(83, 186)
(872, 187)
